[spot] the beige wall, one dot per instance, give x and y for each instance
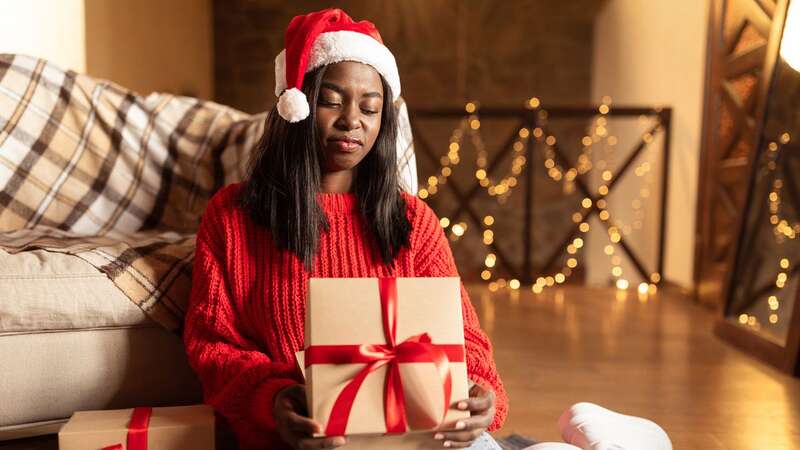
(46, 29)
(150, 45)
(646, 53)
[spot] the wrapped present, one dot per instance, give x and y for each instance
(384, 355)
(165, 428)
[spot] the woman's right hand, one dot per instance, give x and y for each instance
(294, 425)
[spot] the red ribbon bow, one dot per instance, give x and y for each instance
(137, 430)
(417, 348)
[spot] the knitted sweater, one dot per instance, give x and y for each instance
(246, 313)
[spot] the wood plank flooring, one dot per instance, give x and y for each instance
(654, 358)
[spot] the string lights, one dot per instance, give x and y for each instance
(470, 127)
(782, 230)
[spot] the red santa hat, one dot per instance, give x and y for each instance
(325, 37)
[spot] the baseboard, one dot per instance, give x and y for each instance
(27, 430)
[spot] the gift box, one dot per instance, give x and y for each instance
(165, 428)
(384, 355)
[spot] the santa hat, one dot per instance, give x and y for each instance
(325, 37)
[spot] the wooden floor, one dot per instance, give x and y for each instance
(654, 358)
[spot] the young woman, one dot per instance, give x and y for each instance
(321, 199)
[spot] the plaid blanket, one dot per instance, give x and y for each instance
(121, 180)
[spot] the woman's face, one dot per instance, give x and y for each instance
(348, 114)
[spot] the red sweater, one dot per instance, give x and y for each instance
(247, 305)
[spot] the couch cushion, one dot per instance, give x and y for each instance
(41, 290)
(49, 375)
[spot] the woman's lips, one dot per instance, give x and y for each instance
(345, 145)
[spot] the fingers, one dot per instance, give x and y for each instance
(482, 402)
(458, 439)
(301, 424)
(317, 443)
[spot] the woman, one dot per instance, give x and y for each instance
(321, 200)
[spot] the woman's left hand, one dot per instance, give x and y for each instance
(481, 405)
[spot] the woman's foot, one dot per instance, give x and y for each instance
(592, 427)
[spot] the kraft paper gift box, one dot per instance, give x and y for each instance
(344, 315)
(166, 428)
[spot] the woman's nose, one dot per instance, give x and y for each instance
(349, 118)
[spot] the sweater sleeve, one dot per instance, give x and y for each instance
(434, 258)
(239, 380)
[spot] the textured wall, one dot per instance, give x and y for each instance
(448, 52)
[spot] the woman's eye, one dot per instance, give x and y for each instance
(369, 111)
(328, 103)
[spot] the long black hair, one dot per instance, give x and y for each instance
(285, 171)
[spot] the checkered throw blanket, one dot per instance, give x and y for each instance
(95, 170)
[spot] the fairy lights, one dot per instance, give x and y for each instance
(468, 131)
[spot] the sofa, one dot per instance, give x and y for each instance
(101, 193)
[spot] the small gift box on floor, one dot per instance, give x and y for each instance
(384, 355)
(165, 428)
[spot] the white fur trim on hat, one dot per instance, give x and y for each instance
(337, 46)
(293, 105)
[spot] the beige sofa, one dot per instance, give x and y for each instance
(101, 191)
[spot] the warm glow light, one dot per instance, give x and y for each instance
(486, 275)
(584, 227)
(537, 288)
(773, 318)
(444, 222)
(458, 230)
(488, 220)
(578, 242)
(616, 271)
(655, 278)
(470, 107)
(643, 288)
(586, 202)
(609, 249)
(790, 44)
(784, 263)
(572, 263)
(560, 278)
(742, 319)
(514, 284)
(423, 193)
(490, 260)
(622, 284)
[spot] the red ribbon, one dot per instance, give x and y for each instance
(137, 430)
(417, 348)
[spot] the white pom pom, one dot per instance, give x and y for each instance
(293, 105)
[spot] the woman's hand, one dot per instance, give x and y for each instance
(481, 405)
(294, 425)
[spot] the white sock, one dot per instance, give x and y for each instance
(552, 446)
(592, 427)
